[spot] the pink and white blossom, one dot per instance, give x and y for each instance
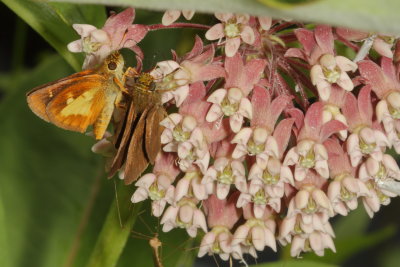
(332, 70)
(382, 43)
(219, 241)
(157, 185)
(191, 182)
(267, 139)
(234, 28)
(221, 217)
(225, 173)
(184, 214)
(118, 32)
(310, 153)
(332, 109)
(308, 201)
(316, 242)
(292, 226)
(170, 16)
(175, 78)
(375, 174)
(345, 189)
(386, 85)
(374, 200)
(232, 100)
(315, 44)
(256, 234)
(257, 140)
(366, 137)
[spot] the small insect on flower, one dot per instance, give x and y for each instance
(82, 99)
(137, 136)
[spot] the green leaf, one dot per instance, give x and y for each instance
(357, 217)
(54, 22)
(295, 263)
(283, 4)
(390, 256)
(369, 15)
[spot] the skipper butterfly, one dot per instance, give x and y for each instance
(137, 137)
(82, 99)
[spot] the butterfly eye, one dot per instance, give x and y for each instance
(152, 86)
(112, 66)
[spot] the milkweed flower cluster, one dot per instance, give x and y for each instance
(248, 159)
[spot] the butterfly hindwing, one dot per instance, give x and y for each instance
(153, 132)
(136, 159)
(123, 138)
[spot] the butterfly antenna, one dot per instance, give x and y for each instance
(146, 225)
(139, 63)
(158, 219)
(141, 235)
(123, 37)
(215, 260)
(179, 247)
(242, 260)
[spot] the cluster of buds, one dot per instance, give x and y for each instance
(249, 159)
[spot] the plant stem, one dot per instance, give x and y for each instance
(178, 25)
(116, 229)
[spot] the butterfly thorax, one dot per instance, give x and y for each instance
(145, 82)
(143, 92)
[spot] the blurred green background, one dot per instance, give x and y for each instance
(54, 195)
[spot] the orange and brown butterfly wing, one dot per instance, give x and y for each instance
(136, 159)
(39, 97)
(78, 105)
(153, 132)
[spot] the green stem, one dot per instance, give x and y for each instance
(116, 229)
(4, 252)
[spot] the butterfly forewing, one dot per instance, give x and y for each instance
(136, 159)
(77, 106)
(39, 97)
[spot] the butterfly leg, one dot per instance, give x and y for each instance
(121, 86)
(120, 101)
(130, 72)
(104, 118)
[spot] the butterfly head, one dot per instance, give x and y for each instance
(114, 63)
